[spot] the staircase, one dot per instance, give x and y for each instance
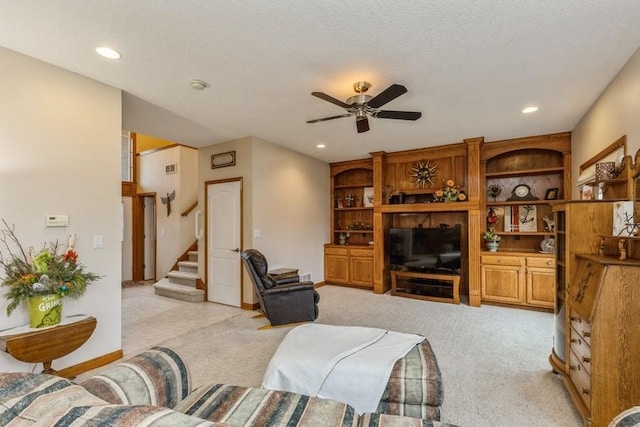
(182, 283)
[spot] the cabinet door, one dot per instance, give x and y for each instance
(336, 268)
(362, 271)
(541, 287)
(502, 284)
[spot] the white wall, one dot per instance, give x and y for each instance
(291, 208)
(127, 240)
(174, 233)
(189, 189)
(285, 196)
(615, 113)
(60, 154)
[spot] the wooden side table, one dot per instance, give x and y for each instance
(44, 345)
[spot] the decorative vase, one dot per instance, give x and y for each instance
(45, 310)
(491, 245)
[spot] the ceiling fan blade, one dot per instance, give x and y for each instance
(328, 118)
(362, 125)
(389, 94)
(330, 99)
(401, 115)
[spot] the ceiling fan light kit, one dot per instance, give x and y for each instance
(362, 106)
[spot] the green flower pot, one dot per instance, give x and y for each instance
(45, 310)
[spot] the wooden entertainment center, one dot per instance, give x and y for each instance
(358, 254)
(426, 286)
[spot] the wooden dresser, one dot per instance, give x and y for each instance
(603, 360)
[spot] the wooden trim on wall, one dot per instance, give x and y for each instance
(128, 189)
(71, 372)
(164, 147)
(620, 142)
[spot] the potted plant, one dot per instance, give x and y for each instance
(491, 240)
(42, 278)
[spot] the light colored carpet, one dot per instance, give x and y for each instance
(494, 360)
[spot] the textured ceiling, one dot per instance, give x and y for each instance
(470, 65)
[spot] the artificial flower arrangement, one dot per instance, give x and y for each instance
(490, 236)
(450, 192)
(49, 271)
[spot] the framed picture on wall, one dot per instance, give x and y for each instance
(223, 160)
(552, 194)
(367, 197)
(520, 218)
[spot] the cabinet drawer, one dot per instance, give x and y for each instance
(501, 260)
(336, 251)
(581, 349)
(580, 379)
(541, 262)
(361, 252)
(582, 328)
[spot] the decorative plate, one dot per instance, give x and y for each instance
(423, 172)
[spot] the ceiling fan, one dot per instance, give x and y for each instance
(362, 105)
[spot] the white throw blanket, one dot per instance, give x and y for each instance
(350, 364)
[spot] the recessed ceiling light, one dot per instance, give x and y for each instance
(198, 84)
(321, 146)
(530, 110)
(108, 52)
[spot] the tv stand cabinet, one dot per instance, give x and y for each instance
(426, 286)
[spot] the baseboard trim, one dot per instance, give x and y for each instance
(80, 368)
(247, 306)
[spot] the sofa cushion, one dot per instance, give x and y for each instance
(385, 420)
(244, 406)
(26, 398)
(124, 415)
(158, 376)
(415, 385)
(628, 418)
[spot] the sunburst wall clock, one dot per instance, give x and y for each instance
(423, 172)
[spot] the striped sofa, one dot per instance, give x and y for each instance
(154, 389)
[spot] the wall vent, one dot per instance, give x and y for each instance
(172, 168)
(306, 277)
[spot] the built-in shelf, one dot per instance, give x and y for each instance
(521, 172)
(368, 184)
(524, 233)
(429, 207)
(353, 231)
(358, 208)
(519, 202)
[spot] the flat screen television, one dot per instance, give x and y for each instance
(425, 249)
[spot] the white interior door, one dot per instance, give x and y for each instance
(149, 238)
(223, 243)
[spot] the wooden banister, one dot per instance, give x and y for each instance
(189, 209)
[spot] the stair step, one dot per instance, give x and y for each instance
(181, 292)
(184, 278)
(193, 255)
(188, 266)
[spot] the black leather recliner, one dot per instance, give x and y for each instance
(281, 303)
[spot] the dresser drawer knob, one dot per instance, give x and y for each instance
(549, 262)
(586, 359)
(585, 391)
(586, 334)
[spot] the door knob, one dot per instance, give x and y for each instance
(235, 250)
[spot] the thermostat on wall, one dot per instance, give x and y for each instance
(57, 221)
